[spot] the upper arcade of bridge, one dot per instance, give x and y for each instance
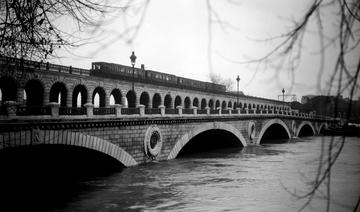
(29, 88)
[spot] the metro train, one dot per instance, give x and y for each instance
(121, 72)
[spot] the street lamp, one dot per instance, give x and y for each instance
(237, 96)
(133, 59)
(283, 92)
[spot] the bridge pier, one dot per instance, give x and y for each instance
(20, 96)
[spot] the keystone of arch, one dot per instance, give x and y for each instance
(268, 124)
(302, 125)
(202, 128)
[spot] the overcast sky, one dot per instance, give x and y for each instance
(174, 39)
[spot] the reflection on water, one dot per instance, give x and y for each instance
(233, 179)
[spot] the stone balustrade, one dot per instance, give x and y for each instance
(54, 110)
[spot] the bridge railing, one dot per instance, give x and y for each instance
(201, 111)
(27, 111)
(43, 66)
(70, 111)
(11, 109)
(224, 111)
(187, 111)
(171, 111)
(212, 111)
(104, 111)
(130, 111)
(152, 111)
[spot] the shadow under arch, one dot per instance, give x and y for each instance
(85, 141)
(269, 124)
(200, 129)
(302, 127)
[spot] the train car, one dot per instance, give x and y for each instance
(215, 87)
(191, 84)
(162, 78)
(111, 70)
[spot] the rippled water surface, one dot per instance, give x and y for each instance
(256, 178)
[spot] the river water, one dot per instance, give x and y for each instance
(255, 178)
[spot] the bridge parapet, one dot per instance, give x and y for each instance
(54, 111)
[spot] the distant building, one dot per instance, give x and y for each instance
(305, 99)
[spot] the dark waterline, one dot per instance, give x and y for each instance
(234, 179)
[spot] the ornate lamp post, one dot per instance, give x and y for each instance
(237, 96)
(133, 59)
(283, 92)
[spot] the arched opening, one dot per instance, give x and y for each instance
(276, 133)
(229, 104)
(131, 99)
(167, 101)
(178, 101)
(54, 172)
(8, 89)
(145, 99)
(34, 93)
(217, 104)
(156, 101)
(196, 102)
(305, 131)
(115, 97)
(245, 105)
(79, 97)
(99, 96)
(223, 105)
(203, 103)
(210, 141)
(211, 104)
(58, 93)
(187, 102)
(249, 106)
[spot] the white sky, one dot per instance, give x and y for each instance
(174, 39)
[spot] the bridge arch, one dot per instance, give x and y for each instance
(34, 90)
(80, 140)
(145, 99)
(178, 101)
(196, 102)
(131, 98)
(203, 104)
(58, 93)
(321, 127)
(8, 88)
(156, 100)
(303, 126)
(211, 104)
(98, 97)
(223, 105)
(217, 104)
(116, 95)
(269, 124)
(202, 128)
(168, 101)
(79, 96)
(187, 102)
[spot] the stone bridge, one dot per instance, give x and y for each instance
(136, 140)
(157, 119)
